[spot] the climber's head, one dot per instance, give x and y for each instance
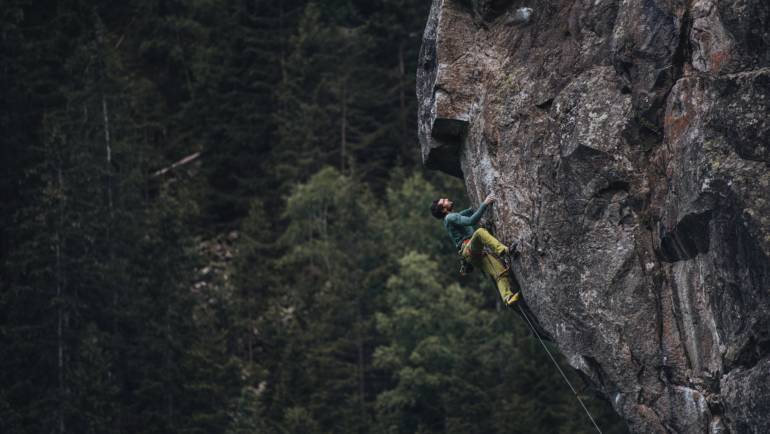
(440, 207)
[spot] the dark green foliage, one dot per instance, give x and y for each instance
(98, 333)
(231, 111)
(332, 285)
(346, 94)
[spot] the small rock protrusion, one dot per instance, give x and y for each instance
(520, 17)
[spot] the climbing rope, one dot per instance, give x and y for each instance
(532, 327)
(534, 331)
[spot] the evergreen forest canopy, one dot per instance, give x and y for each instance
(215, 221)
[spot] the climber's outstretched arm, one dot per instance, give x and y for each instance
(471, 220)
(468, 217)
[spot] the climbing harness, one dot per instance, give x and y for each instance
(534, 331)
(466, 267)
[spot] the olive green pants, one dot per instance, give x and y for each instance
(473, 252)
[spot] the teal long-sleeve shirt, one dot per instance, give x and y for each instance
(460, 225)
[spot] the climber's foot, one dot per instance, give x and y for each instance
(513, 298)
(513, 250)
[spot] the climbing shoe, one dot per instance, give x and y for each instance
(513, 250)
(513, 298)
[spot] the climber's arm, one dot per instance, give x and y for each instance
(468, 220)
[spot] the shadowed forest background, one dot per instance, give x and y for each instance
(215, 220)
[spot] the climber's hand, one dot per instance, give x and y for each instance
(489, 199)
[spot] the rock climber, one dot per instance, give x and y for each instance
(470, 243)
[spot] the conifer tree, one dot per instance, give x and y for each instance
(325, 336)
(430, 330)
(234, 74)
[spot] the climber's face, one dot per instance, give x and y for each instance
(446, 204)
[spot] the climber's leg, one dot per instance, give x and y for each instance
(481, 238)
(495, 269)
(473, 252)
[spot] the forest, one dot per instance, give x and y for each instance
(215, 220)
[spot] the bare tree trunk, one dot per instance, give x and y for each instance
(402, 114)
(110, 247)
(108, 145)
(284, 48)
(361, 364)
(402, 92)
(344, 126)
(59, 308)
(145, 184)
(167, 356)
(110, 212)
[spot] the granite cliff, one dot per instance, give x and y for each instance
(628, 145)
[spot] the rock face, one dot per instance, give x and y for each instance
(628, 145)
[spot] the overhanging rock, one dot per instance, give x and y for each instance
(627, 144)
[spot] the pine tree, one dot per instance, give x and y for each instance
(323, 331)
(56, 233)
(306, 133)
(433, 333)
(395, 27)
(234, 75)
(338, 95)
(73, 275)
